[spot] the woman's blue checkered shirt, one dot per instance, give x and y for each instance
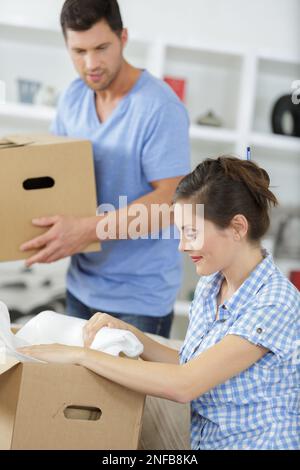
(259, 408)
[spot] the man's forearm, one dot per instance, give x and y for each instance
(91, 228)
(115, 225)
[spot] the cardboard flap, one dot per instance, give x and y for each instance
(24, 140)
(20, 139)
(15, 141)
(9, 364)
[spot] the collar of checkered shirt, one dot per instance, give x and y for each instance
(248, 290)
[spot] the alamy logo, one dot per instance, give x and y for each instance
(296, 92)
(134, 221)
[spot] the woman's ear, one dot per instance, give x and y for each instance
(240, 227)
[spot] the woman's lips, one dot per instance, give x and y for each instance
(196, 259)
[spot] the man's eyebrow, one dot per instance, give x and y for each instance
(103, 44)
(77, 48)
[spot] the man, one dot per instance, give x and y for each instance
(139, 131)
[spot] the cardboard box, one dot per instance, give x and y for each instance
(59, 407)
(42, 175)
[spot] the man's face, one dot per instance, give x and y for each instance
(97, 54)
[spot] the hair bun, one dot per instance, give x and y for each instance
(256, 179)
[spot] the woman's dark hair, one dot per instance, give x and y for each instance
(228, 186)
(81, 15)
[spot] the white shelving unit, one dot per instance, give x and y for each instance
(240, 86)
(210, 134)
(276, 142)
(22, 112)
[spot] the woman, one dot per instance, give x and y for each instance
(237, 365)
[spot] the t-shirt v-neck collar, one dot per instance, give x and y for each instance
(121, 103)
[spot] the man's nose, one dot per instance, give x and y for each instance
(91, 62)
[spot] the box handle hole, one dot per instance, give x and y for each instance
(38, 183)
(86, 413)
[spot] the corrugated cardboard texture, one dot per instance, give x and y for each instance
(10, 382)
(68, 162)
(47, 390)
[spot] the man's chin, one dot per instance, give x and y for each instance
(96, 86)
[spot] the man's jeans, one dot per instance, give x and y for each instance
(159, 326)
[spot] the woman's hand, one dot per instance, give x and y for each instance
(98, 321)
(55, 353)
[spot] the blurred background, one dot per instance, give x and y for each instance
(234, 63)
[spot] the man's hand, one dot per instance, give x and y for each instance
(70, 235)
(65, 237)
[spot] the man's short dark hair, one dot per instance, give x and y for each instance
(81, 15)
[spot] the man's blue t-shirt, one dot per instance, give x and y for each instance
(145, 139)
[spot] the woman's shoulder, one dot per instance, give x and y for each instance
(279, 291)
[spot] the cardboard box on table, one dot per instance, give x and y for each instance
(58, 407)
(42, 175)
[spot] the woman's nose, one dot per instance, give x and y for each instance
(181, 246)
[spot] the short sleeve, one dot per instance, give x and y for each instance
(166, 150)
(271, 326)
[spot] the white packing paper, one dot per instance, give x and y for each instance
(50, 327)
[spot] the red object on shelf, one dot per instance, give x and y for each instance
(178, 85)
(295, 278)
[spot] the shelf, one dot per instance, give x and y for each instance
(197, 133)
(29, 26)
(25, 111)
(271, 56)
(212, 134)
(276, 142)
(274, 79)
(212, 80)
(31, 35)
(24, 30)
(51, 26)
